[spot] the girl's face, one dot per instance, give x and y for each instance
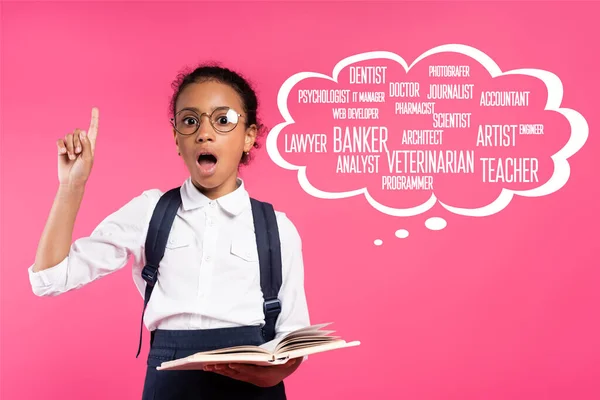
(212, 157)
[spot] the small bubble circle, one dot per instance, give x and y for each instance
(402, 233)
(378, 242)
(435, 223)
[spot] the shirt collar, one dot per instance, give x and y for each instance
(234, 202)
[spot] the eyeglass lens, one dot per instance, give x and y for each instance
(223, 119)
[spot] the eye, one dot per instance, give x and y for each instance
(187, 119)
(221, 117)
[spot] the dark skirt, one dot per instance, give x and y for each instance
(167, 345)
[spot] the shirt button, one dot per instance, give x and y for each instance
(207, 258)
(212, 204)
(211, 223)
(171, 241)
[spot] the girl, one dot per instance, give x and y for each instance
(208, 294)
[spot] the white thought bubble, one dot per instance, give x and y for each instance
(578, 125)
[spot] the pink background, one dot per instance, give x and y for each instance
(502, 307)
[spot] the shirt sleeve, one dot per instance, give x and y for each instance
(294, 310)
(109, 247)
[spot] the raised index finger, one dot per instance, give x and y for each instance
(93, 130)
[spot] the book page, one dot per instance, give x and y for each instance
(237, 350)
(308, 334)
(313, 330)
(310, 341)
(199, 360)
(308, 350)
(293, 345)
(308, 329)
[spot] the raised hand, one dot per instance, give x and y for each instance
(76, 154)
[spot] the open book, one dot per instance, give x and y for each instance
(300, 343)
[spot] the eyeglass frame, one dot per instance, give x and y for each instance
(209, 119)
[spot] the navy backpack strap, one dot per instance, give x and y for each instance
(156, 241)
(269, 257)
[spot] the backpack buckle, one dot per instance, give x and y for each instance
(272, 307)
(150, 274)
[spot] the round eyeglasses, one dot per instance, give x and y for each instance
(222, 119)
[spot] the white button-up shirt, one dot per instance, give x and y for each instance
(209, 276)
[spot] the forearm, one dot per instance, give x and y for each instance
(56, 239)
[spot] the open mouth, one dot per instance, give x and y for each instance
(207, 162)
